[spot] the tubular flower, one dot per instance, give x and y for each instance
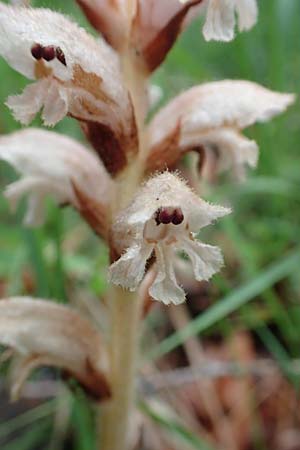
(208, 119)
(54, 164)
(76, 75)
(163, 219)
(43, 333)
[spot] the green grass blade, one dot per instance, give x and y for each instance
(83, 425)
(26, 418)
(230, 303)
(30, 439)
(175, 428)
(34, 242)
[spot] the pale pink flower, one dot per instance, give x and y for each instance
(209, 118)
(163, 219)
(56, 165)
(76, 74)
(43, 333)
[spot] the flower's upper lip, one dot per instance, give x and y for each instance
(21, 28)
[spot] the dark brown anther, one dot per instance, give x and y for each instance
(60, 56)
(164, 215)
(178, 216)
(48, 53)
(37, 51)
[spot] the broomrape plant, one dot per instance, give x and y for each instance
(123, 182)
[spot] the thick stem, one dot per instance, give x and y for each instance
(117, 414)
(115, 423)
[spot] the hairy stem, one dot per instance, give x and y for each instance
(115, 424)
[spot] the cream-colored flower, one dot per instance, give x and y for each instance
(163, 219)
(56, 165)
(76, 74)
(220, 17)
(43, 333)
(210, 118)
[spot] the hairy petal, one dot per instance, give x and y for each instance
(165, 287)
(247, 13)
(129, 269)
(160, 221)
(82, 78)
(227, 149)
(219, 24)
(21, 28)
(163, 190)
(206, 259)
(189, 119)
(47, 333)
(26, 105)
(220, 18)
(53, 164)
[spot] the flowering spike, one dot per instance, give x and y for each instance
(208, 118)
(163, 218)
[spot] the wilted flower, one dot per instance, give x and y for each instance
(56, 165)
(163, 218)
(208, 119)
(43, 333)
(76, 75)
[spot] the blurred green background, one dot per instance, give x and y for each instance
(261, 243)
